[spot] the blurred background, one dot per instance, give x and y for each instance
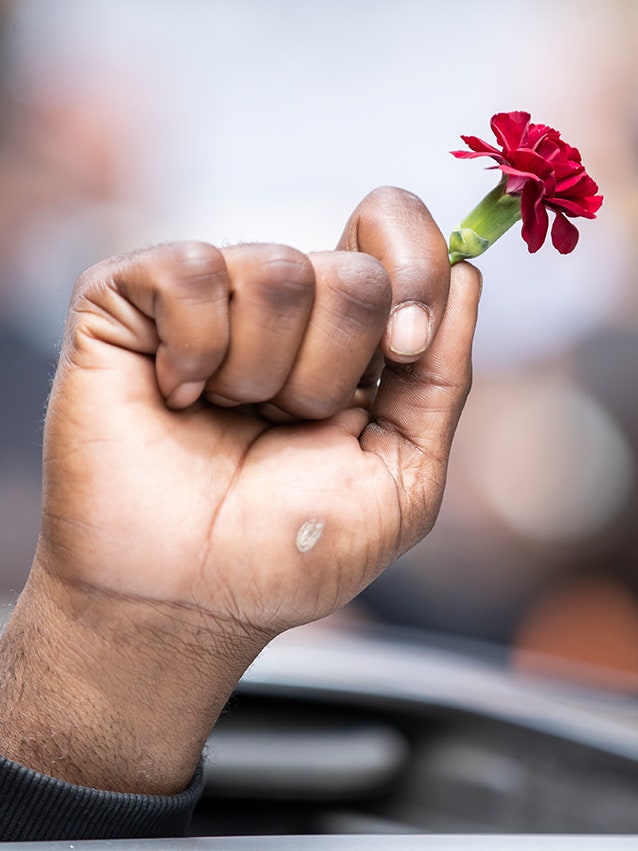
(135, 121)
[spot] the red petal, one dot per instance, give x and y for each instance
(568, 168)
(480, 145)
(510, 129)
(517, 179)
(528, 162)
(534, 216)
(564, 234)
(549, 149)
(584, 207)
(594, 204)
(537, 133)
(568, 179)
(479, 148)
(470, 155)
(583, 187)
(572, 153)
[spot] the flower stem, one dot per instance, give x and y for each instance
(489, 220)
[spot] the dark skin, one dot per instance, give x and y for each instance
(219, 467)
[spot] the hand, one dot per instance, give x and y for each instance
(181, 528)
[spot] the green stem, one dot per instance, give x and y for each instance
(488, 221)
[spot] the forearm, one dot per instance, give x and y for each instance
(113, 694)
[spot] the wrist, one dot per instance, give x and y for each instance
(112, 692)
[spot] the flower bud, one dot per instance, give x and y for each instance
(541, 174)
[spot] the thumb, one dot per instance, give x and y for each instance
(396, 227)
(418, 406)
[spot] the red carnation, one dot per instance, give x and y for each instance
(544, 172)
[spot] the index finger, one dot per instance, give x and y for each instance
(396, 227)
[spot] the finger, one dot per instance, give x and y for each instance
(372, 374)
(396, 227)
(271, 296)
(169, 301)
(350, 312)
(366, 391)
(362, 398)
(418, 406)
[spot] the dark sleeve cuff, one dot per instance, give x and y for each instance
(36, 807)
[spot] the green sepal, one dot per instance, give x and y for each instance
(465, 243)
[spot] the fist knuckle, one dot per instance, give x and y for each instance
(195, 265)
(364, 288)
(314, 409)
(196, 355)
(92, 279)
(299, 400)
(245, 389)
(287, 276)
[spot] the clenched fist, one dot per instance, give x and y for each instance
(238, 441)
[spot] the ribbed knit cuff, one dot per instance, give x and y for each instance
(36, 807)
